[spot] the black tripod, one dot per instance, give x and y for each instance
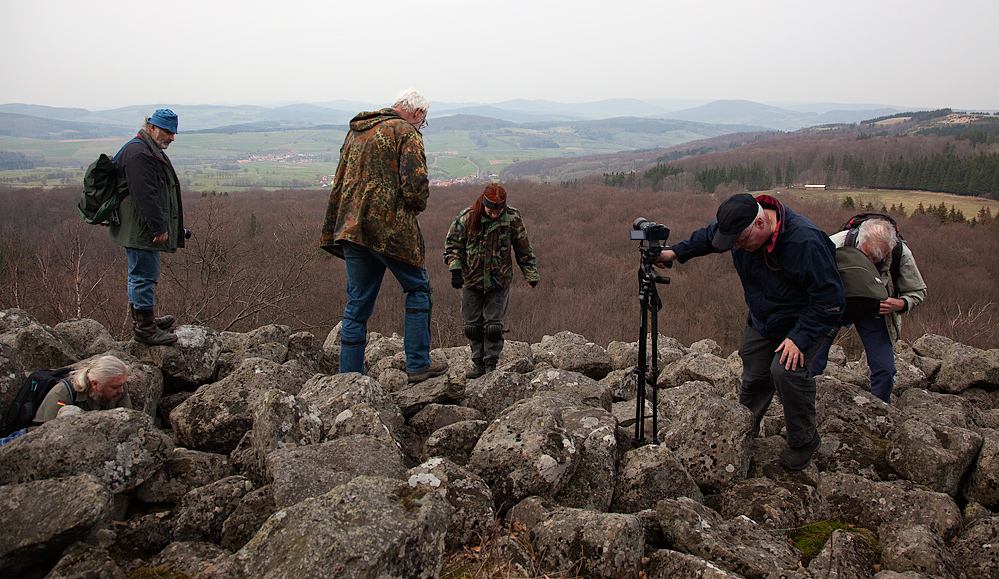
(652, 235)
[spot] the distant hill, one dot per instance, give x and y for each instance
(752, 113)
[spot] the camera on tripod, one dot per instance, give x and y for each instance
(644, 230)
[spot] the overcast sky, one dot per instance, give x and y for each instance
(911, 53)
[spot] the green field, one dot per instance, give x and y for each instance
(908, 199)
(298, 158)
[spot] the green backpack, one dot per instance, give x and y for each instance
(101, 193)
(865, 289)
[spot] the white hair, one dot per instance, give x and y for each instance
(410, 100)
(759, 214)
(102, 369)
(877, 238)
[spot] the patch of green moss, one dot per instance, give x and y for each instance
(810, 538)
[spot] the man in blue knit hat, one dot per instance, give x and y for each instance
(150, 220)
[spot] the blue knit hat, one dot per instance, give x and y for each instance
(164, 119)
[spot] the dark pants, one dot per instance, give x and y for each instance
(880, 356)
(763, 374)
(485, 313)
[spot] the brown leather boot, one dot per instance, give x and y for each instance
(163, 322)
(145, 330)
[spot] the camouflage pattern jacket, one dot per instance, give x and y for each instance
(484, 257)
(380, 186)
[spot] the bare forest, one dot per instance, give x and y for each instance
(254, 259)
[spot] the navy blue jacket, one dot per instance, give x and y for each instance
(792, 286)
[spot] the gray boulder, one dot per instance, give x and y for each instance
(191, 360)
(217, 416)
(710, 435)
(369, 527)
(190, 559)
(38, 347)
(623, 355)
(936, 408)
(120, 447)
(738, 545)
(845, 556)
(496, 391)
(280, 421)
(885, 505)
(43, 517)
(668, 564)
(579, 542)
(977, 548)
(473, 518)
(331, 395)
(83, 561)
(593, 435)
(587, 359)
(983, 482)
(573, 385)
(182, 471)
(648, 474)
(244, 522)
(435, 416)
(203, 511)
(12, 375)
(456, 441)
(309, 471)
(87, 337)
(776, 505)
(918, 548)
(934, 455)
(526, 451)
(962, 366)
(702, 367)
(438, 390)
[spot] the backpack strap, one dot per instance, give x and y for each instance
(137, 139)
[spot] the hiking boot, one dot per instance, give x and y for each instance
(145, 330)
(163, 323)
(476, 371)
(797, 458)
(436, 368)
(490, 367)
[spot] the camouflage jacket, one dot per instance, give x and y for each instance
(484, 257)
(380, 186)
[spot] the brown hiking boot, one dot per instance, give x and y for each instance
(163, 322)
(436, 368)
(476, 371)
(145, 330)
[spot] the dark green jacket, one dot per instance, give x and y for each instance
(380, 186)
(153, 204)
(485, 257)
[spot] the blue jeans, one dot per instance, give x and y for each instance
(880, 356)
(365, 269)
(143, 274)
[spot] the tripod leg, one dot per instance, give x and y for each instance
(639, 438)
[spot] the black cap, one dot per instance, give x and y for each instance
(734, 215)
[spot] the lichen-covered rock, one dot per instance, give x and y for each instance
(309, 471)
(934, 455)
(983, 482)
(593, 434)
(587, 359)
(183, 471)
(588, 543)
(203, 511)
(648, 474)
(438, 390)
(573, 385)
(192, 360)
(710, 435)
(702, 367)
(844, 556)
(87, 337)
(777, 505)
(38, 347)
(43, 517)
(667, 564)
(886, 505)
(962, 366)
(83, 561)
(331, 395)
(918, 548)
(456, 441)
(976, 549)
(369, 527)
(526, 451)
(738, 545)
(190, 559)
(496, 391)
(244, 522)
(120, 447)
(473, 518)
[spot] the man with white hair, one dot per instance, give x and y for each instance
(878, 237)
(795, 296)
(379, 188)
(99, 385)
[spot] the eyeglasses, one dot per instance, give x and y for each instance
(422, 124)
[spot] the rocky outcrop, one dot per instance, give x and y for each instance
(246, 456)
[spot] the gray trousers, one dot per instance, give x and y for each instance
(763, 374)
(483, 313)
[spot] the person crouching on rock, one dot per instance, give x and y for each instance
(477, 252)
(99, 385)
